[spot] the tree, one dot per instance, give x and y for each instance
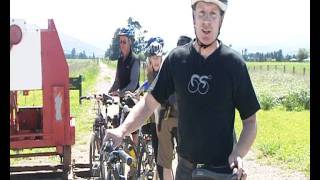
(279, 55)
(82, 55)
(73, 53)
(139, 42)
(113, 52)
(245, 54)
(287, 57)
(302, 54)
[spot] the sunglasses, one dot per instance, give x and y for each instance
(123, 42)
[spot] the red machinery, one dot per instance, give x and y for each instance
(37, 62)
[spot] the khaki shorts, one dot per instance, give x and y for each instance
(165, 147)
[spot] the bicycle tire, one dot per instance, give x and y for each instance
(91, 152)
(103, 170)
(140, 155)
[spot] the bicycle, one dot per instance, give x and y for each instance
(143, 151)
(145, 164)
(98, 129)
(112, 162)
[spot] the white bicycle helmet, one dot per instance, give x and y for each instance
(154, 47)
(223, 4)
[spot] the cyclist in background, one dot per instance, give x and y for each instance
(128, 66)
(154, 52)
(128, 70)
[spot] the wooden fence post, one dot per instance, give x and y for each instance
(293, 70)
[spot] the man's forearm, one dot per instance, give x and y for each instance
(138, 114)
(247, 136)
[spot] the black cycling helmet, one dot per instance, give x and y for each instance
(183, 40)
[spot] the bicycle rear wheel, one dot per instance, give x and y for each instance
(93, 153)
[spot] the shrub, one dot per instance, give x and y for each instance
(297, 100)
(267, 101)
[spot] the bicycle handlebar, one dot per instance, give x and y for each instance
(124, 156)
(105, 98)
(116, 154)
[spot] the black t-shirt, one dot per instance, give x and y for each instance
(207, 93)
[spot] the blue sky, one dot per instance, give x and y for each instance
(259, 25)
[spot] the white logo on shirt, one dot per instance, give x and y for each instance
(199, 84)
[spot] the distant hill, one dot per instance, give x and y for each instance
(68, 43)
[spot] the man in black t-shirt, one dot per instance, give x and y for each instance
(210, 81)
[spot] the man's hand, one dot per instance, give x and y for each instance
(115, 134)
(236, 164)
(134, 96)
(114, 93)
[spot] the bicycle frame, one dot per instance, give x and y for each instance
(98, 127)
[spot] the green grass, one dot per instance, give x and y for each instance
(88, 69)
(83, 113)
(283, 138)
